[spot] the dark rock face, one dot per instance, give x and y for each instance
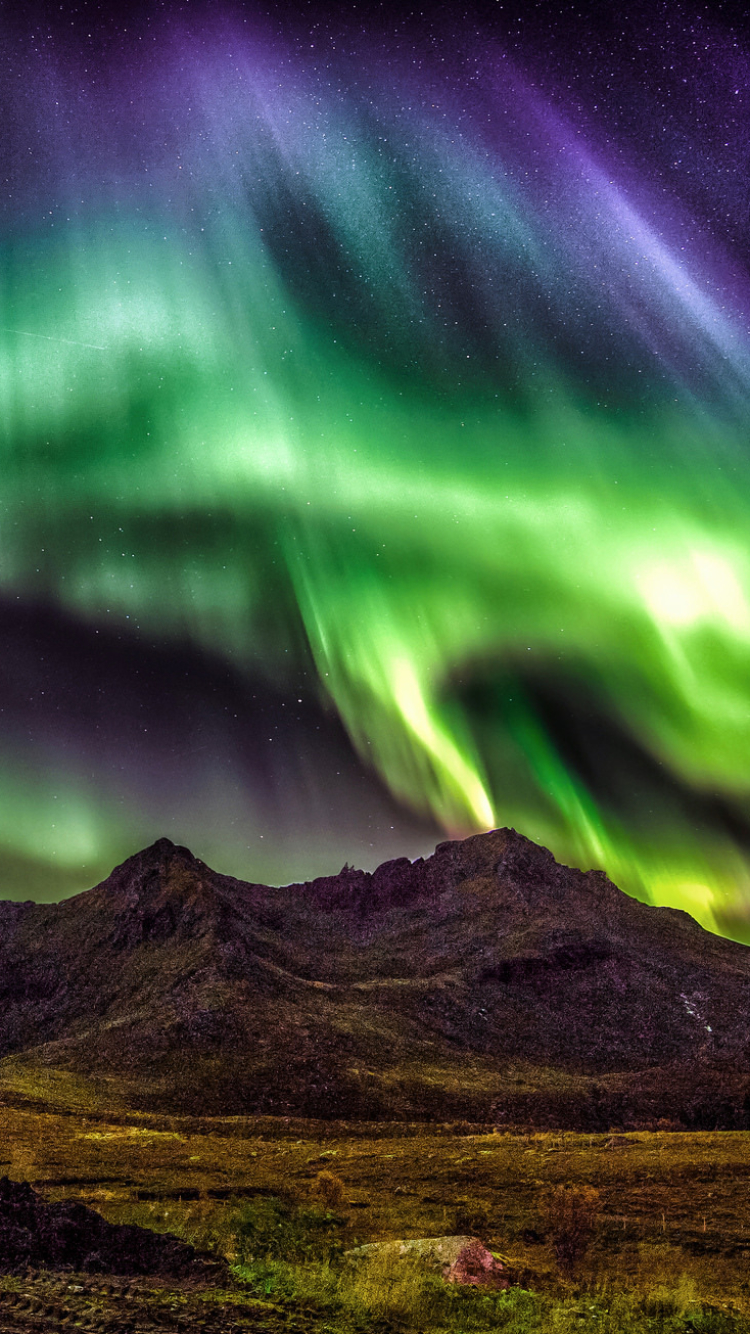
(69, 1236)
(484, 982)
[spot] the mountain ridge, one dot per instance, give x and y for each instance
(486, 981)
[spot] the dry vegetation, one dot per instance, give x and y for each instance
(668, 1213)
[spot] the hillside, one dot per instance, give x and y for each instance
(485, 982)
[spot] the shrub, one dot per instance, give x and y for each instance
(329, 1188)
(571, 1215)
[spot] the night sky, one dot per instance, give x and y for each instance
(374, 405)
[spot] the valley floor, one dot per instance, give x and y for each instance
(671, 1250)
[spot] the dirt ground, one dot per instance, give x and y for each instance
(52, 1302)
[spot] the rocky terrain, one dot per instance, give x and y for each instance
(35, 1233)
(485, 982)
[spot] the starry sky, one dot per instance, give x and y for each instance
(374, 435)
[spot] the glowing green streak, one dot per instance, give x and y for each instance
(390, 710)
(140, 393)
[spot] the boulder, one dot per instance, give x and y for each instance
(463, 1260)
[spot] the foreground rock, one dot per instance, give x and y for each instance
(464, 1260)
(35, 1234)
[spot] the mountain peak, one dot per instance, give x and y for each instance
(161, 892)
(161, 847)
(141, 867)
(209, 993)
(163, 850)
(507, 864)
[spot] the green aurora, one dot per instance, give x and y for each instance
(196, 449)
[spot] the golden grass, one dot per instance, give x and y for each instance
(674, 1220)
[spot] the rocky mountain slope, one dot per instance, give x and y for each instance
(486, 982)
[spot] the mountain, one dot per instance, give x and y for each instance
(485, 982)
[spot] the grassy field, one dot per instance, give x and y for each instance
(670, 1249)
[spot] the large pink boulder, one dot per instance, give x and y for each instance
(460, 1259)
(476, 1265)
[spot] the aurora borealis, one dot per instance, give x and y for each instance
(374, 430)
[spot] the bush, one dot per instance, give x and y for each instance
(571, 1215)
(272, 1229)
(329, 1188)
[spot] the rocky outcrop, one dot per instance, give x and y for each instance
(35, 1234)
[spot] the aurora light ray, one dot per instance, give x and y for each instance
(432, 394)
